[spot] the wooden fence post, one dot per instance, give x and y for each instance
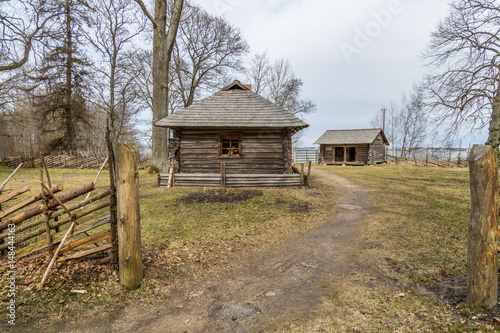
(482, 266)
(301, 175)
(128, 215)
(308, 173)
(223, 174)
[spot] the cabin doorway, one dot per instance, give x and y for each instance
(339, 154)
(351, 154)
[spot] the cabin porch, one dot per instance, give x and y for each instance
(231, 180)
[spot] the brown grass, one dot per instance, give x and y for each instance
(413, 279)
(182, 242)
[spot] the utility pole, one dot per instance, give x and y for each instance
(383, 119)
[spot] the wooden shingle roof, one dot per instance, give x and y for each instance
(350, 137)
(235, 106)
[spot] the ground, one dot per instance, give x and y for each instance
(287, 280)
(390, 257)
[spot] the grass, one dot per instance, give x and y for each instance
(407, 273)
(414, 280)
(182, 242)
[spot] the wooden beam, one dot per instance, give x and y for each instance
(27, 202)
(14, 193)
(85, 253)
(98, 237)
(10, 176)
(56, 224)
(84, 227)
(51, 204)
(90, 200)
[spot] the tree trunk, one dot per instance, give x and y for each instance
(494, 136)
(482, 266)
(70, 129)
(163, 43)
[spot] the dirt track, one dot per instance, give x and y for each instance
(289, 278)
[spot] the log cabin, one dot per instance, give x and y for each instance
(353, 147)
(234, 138)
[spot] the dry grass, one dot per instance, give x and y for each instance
(414, 279)
(182, 242)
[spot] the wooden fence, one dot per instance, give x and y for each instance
(36, 231)
(74, 160)
(56, 224)
(305, 155)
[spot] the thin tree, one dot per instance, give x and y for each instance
(115, 26)
(258, 72)
(163, 44)
(206, 50)
(465, 53)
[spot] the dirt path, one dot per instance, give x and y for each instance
(286, 279)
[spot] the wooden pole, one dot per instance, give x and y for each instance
(56, 254)
(301, 175)
(46, 172)
(170, 177)
(308, 173)
(129, 227)
(223, 174)
(482, 265)
(173, 172)
(10, 176)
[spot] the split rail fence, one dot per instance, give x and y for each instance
(56, 224)
(74, 160)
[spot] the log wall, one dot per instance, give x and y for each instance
(262, 151)
(377, 151)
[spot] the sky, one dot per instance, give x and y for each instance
(354, 57)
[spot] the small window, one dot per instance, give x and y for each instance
(230, 145)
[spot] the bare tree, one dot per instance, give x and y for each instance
(284, 89)
(464, 51)
(206, 49)
(115, 26)
(411, 121)
(258, 72)
(23, 23)
(163, 44)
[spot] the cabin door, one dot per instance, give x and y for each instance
(339, 154)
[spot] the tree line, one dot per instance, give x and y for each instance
(71, 69)
(462, 91)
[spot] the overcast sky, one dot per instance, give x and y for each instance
(353, 56)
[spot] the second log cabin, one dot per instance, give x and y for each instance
(353, 147)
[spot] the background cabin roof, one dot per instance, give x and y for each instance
(350, 137)
(235, 106)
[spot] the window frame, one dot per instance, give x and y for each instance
(230, 137)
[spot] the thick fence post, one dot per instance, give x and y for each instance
(129, 227)
(482, 266)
